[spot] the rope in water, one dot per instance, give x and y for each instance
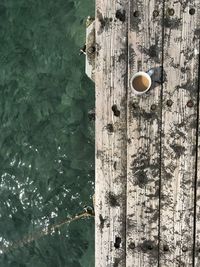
(87, 212)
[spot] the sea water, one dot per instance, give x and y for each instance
(46, 138)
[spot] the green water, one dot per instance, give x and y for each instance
(46, 139)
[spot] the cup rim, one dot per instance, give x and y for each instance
(140, 73)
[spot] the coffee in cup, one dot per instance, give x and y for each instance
(140, 82)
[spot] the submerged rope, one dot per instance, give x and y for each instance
(87, 212)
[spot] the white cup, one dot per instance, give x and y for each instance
(141, 82)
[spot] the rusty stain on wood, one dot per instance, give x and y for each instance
(147, 147)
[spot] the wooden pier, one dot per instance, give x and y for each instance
(147, 187)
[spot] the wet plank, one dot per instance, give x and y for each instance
(143, 130)
(111, 130)
(179, 117)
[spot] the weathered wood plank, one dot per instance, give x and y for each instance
(181, 49)
(143, 152)
(111, 90)
(197, 199)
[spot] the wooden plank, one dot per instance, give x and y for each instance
(143, 152)
(197, 182)
(181, 49)
(111, 90)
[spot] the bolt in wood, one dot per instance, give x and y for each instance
(190, 104)
(169, 102)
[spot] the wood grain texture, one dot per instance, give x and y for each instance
(179, 110)
(143, 127)
(197, 219)
(111, 130)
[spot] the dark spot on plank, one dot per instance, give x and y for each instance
(102, 221)
(135, 105)
(192, 11)
(132, 55)
(155, 13)
(170, 11)
(121, 15)
(172, 23)
(154, 216)
(190, 104)
(184, 249)
(104, 22)
(136, 13)
(122, 56)
(148, 246)
(189, 86)
(115, 110)
(183, 70)
(178, 149)
(115, 165)
(153, 107)
(129, 140)
(141, 178)
(153, 51)
(132, 245)
(169, 102)
(113, 201)
(135, 21)
(99, 153)
(165, 248)
(148, 115)
(141, 165)
(116, 262)
(110, 127)
(197, 31)
(117, 242)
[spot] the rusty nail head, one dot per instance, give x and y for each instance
(166, 248)
(136, 13)
(155, 13)
(169, 102)
(171, 11)
(192, 11)
(132, 245)
(190, 104)
(153, 107)
(184, 249)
